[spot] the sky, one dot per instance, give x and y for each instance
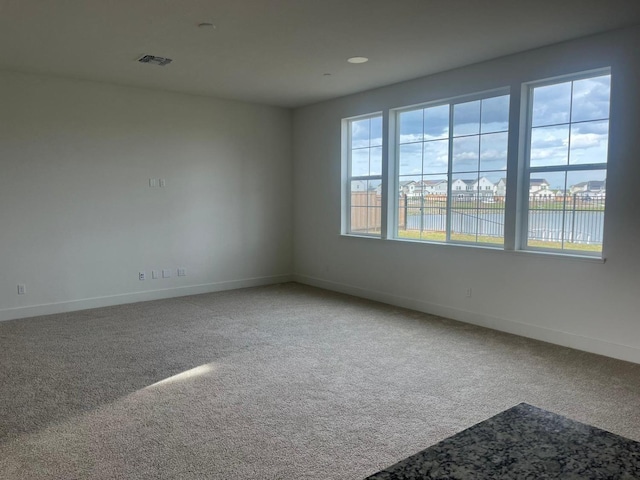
(569, 126)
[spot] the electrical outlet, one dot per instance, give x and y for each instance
(182, 272)
(153, 182)
(22, 289)
(142, 276)
(163, 183)
(468, 293)
(154, 274)
(166, 273)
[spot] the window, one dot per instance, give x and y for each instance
(364, 172)
(462, 144)
(566, 164)
(448, 168)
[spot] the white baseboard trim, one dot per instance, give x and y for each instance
(107, 301)
(557, 337)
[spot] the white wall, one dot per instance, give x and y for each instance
(78, 219)
(585, 304)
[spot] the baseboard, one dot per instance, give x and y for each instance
(107, 301)
(557, 337)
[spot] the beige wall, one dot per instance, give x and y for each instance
(78, 219)
(585, 304)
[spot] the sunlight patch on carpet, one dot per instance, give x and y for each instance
(189, 374)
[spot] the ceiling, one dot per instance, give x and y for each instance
(279, 52)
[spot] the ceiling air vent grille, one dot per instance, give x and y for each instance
(152, 59)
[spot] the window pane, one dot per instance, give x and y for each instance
(407, 185)
(360, 133)
(376, 131)
(585, 210)
(359, 219)
(374, 187)
(546, 209)
(566, 211)
(589, 143)
(466, 118)
(411, 126)
(464, 207)
(549, 146)
(410, 161)
(551, 104)
(374, 220)
(491, 207)
(358, 186)
(375, 161)
(591, 99)
(422, 216)
(436, 122)
(466, 153)
(410, 201)
(360, 162)
(493, 151)
(495, 114)
(436, 156)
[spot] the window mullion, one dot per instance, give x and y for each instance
(569, 168)
(449, 176)
(387, 204)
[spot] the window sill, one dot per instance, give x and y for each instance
(354, 235)
(493, 249)
(557, 256)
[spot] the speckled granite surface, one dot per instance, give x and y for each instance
(523, 443)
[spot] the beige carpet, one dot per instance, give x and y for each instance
(280, 382)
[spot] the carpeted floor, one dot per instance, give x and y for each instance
(279, 382)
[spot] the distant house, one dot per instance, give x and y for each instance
(538, 184)
(431, 187)
(483, 186)
(407, 187)
(459, 186)
(358, 186)
(592, 188)
(500, 188)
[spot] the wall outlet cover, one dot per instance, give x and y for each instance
(166, 273)
(142, 276)
(155, 274)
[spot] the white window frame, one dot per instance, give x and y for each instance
(348, 178)
(451, 102)
(527, 170)
(517, 173)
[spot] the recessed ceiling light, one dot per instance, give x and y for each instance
(206, 25)
(326, 74)
(357, 60)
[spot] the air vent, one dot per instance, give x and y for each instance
(162, 61)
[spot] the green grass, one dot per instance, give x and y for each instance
(441, 237)
(483, 239)
(568, 246)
